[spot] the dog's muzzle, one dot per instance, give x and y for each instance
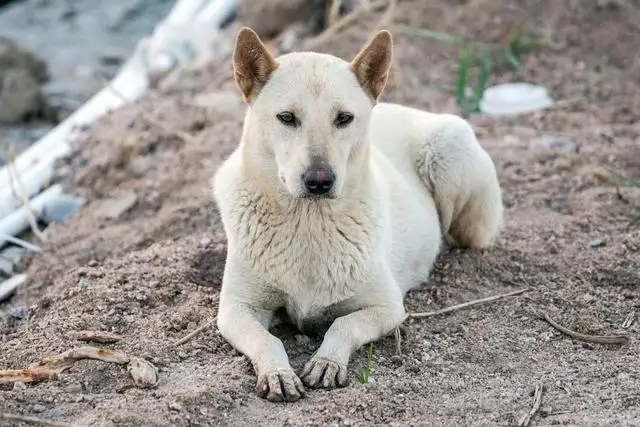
(318, 181)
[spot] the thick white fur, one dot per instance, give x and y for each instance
(404, 179)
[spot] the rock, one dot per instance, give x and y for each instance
(61, 207)
(514, 98)
(144, 375)
(553, 143)
(21, 77)
(18, 313)
(303, 340)
(175, 406)
(140, 165)
(39, 408)
(117, 206)
(598, 243)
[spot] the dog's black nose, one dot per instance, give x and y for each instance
(318, 180)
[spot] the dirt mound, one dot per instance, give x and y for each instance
(144, 258)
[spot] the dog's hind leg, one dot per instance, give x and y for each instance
(462, 178)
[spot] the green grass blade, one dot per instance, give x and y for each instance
(483, 77)
(512, 59)
(463, 72)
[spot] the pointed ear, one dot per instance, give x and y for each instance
(252, 63)
(373, 63)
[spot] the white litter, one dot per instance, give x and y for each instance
(514, 98)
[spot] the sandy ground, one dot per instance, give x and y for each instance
(144, 258)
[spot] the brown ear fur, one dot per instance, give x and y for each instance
(372, 64)
(252, 63)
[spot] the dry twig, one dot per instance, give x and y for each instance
(195, 332)
(51, 366)
(465, 305)
(342, 23)
(33, 420)
(398, 337)
(333, 12)
(14, 174)
(144, 374)
(537, 401)
(598, 339)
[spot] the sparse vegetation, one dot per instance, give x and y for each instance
(620, 179)
(363, 376)
(467, 98)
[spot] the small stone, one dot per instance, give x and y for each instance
(61, 207)
(623, 377)
(554, 143)
(39, 408)
(140, 165)
(303, 340)
(154, 284)
(588, 346)
(19, 313)
(226, 397)
(93, 263)
(206, 242)
(74, 387)
(175, 406)
(145, 375)
(17, 386)
(598, 243)
(117, 206)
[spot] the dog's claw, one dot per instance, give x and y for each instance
(280, 386)
(324, 373)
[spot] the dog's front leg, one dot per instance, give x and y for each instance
(328, 367)
(246, 329)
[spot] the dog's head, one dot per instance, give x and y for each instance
(306, 125)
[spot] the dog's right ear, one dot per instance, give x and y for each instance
(252, 63)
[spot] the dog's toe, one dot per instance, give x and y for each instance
(324, 373)
(280, 386)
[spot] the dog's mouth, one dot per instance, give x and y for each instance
(310, 196)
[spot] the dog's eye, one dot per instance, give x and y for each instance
(288, 118)
(343, 119)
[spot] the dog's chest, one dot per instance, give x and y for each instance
(315, 258)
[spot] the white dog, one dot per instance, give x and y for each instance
(334, 209)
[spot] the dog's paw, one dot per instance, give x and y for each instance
(321, 372)
(281, 385)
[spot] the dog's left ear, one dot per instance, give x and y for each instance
(372, 64)
(252, 63)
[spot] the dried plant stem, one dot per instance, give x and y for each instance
(14, 175)
(598, 339)
(33, 420)
(195, 332)
(537, 401)
(465, 305)
(342, 23)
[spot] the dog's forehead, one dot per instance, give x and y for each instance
(316, 72)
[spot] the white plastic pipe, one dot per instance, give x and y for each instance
(17, 222)
(9, 286)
